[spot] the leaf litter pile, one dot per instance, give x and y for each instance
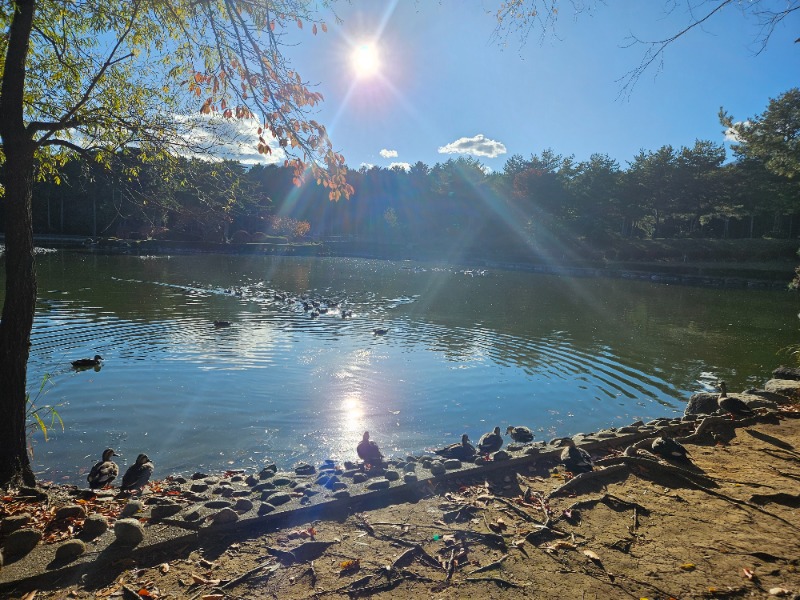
(725, 526)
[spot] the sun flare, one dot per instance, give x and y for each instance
(365, 60)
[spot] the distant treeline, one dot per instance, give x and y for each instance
(684, 193)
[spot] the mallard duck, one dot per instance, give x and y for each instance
(490, 442)
(380, 331)
(575, 460)
(84, 363)
(368, 451)
(137, 475)
(461, 451)
(104, 472)
(520, 433)
(668, 448)
(733, 406)
(220, 324)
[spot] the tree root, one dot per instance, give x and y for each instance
(579, 480)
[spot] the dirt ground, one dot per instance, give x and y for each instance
(725, 526)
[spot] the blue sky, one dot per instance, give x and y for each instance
(444, 77)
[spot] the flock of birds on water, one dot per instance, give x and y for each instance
(574, 459)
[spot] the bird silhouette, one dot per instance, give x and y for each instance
(368, 451)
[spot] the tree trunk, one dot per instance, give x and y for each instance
(20, 300)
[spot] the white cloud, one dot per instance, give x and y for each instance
(227, 139)
(403, 165)
(388, 153)
(366, 166)
(477, 146)
(730, 132)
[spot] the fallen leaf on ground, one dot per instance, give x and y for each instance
(688, 566)
(591, 555)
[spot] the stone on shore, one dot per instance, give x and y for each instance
(131, 508)
(14, 522)
(164, 511)
(95, 525)
(129, 532)
(783, 372)
(225, 515)
(21, 542)
(784, 387)
(702, 403)
(70, 550)
(71, 511)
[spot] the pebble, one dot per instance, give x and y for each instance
(197, 476)
(359, 477)
(199, 488)
(533, 450)
(267, 485)
(21, 542)
(163, 511)
(378, 484)
(410, 477)
(70, 550)
(212, 480)
(243, 505)
(304, 469)
(628, 429)
(437, 468)
(501, 455)
(95, 525)
(341, 494)
(339, 485)
(192, 516)
(265, 508)
(452, 463)
(279, 498)
(392, 475)
(218, 504)
(129, 532)
(267, 494)
(282, 481)
(131, 508)
(226, 515)
(71, 511)
(14, 522)
(251, 480)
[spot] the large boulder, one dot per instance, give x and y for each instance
(787, 373)
(785, 387)
(702, 403)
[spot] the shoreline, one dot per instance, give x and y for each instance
(220, 504)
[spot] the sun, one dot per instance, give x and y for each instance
(365, 60)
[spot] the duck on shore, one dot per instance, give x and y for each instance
(733, 406)
(87, 363)
(104, 472)
(461, 451)
(369, 452)
(575, 460)
(520, 433)
(490, 442)
(665, 447)
(137, 475)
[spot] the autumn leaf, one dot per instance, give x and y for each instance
(688, 566)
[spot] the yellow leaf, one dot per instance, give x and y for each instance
(688, 566)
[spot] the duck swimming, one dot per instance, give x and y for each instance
(520, 433)
(575, 460)
(104, 472)
(85, 363)
(461, 451)
(368, 451)
(668, 448)
(733, 406)
(490, 442)
(380, 331)
(220, 324)
(137, 475)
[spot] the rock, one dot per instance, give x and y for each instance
(267, 485)
(341, 494)
(532, 450)
(131, 508)
(628, 429)
(391, 475)
(350, 472)
(339, 485)
(243, 505)
(179, 480)
(95, 525)
(281, 481)
(378, 484)
(222, 490)
(322, 480)
(410, 467)
(501, 455)
(304, 469)
(14, 522)
(350, 465)
(240, 493)
(359, 477)
(784, 387)
(437, 468)
(787, 373)
(21, 542)
(410, 477)
(70, 550)
(197, 476)
(271, 467)
(129, 532)
(279, 498)
(452, 463)
(218, 504)
(251, 480)
(212, 480)
(226, 515)
(164, 511)
(71, 511)
(199, 488)
(237, 478)
(265, 508)
(701, 403)
(770, 396)
(266, 494)
(192, 516)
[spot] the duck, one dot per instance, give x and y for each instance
(138, 474)
(347, 314)
(380, 331)
(733, 406)
(85, 363)
(220, 324)
(368, 451)
(575, 460)
(461, 451)
(520, 433)
(104, 472)
(668, 448)
(490, 442)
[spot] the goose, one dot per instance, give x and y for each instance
(733, 406)
(368, 451)
(137, 475)
(520, 433)
(575, 460)
(490, 442)
(461, 451)
(104, 472)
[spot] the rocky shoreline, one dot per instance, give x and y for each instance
(63, 531)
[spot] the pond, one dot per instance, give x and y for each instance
(465, 350)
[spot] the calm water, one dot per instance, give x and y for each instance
(464, 352)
